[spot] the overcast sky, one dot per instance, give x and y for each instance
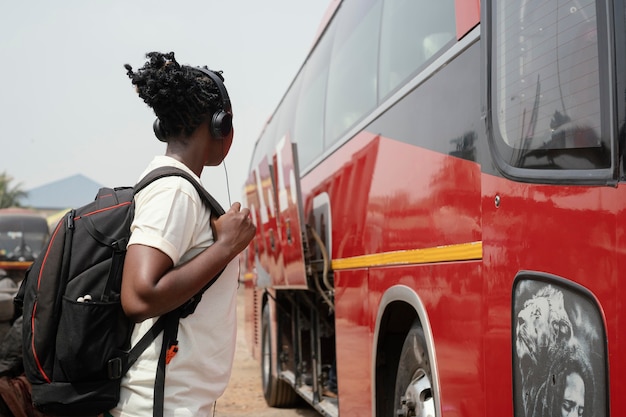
(67, 106)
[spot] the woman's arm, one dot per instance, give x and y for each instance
(151, 286)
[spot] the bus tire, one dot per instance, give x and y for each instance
(413, 389)
(277, 392)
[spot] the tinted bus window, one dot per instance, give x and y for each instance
(309, 124)
(279, 126)
(353, 66)
(547, 105)
(266, 143)
(286, 112)
(412, 33)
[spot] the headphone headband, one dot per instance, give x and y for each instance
(217, 80)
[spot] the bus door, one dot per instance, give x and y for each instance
(274, 198)
(289, 214)
(260, 197)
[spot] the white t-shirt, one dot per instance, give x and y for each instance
(170, 216)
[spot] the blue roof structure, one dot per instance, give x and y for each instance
(74, 191)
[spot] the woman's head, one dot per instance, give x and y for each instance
(182, 97)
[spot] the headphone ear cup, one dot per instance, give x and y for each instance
(221, 124)
(158, 131)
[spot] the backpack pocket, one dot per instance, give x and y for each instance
(90, 333)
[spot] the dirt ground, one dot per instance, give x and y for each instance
(244, 395)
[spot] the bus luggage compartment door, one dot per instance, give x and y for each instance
(274, 198)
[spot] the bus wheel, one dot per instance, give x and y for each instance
(414, 392)
(277, 393)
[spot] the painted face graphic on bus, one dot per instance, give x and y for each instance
(573, 404)
(541, 324)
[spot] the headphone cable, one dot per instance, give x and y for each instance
(230, 203)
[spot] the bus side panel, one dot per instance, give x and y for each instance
(567, 234)
(444, 210)
(353, 342)
(403, 199)
(452, 296)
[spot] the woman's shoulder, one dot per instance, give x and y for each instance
(174, 184)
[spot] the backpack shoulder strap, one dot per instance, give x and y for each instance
(168, 323)
(169, 171)
(209, 201)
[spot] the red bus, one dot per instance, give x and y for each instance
(437, 199)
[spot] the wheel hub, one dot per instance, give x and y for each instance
(417, 400)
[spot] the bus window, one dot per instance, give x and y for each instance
(279, 126)
(308, 129)
(547, 101)
(281, 123)
(353, 66)
(412, 33)
(287, 111)
(265, 146)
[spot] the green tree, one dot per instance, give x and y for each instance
(10, 195)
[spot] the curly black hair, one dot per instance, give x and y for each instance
(181, 96)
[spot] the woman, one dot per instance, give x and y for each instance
(176, 246)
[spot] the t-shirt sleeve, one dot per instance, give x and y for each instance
(165, 217)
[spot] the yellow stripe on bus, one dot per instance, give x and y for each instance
(448, 253)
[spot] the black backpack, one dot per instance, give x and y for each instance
(75, 336)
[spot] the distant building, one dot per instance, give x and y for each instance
(61, 195)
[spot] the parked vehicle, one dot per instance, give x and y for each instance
(23, 233)
(440, 209)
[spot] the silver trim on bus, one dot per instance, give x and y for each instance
(327, 407)
(409, 296)
(438, 63)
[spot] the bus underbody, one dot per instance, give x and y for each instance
(299, 325)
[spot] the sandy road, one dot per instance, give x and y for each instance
(244, 395)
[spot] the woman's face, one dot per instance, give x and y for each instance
(573, 396)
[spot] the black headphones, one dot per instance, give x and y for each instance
(222, 121)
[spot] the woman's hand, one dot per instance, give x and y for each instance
(234, 228)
